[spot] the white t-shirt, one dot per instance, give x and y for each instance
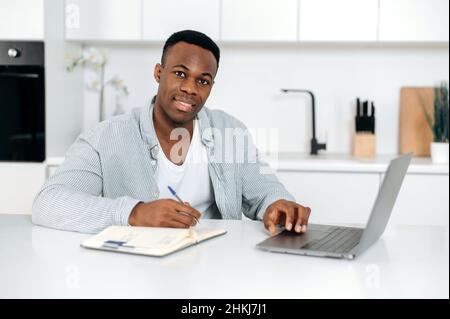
(190, 180)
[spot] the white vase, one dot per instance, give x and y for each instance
(119, 106)
(439, 152)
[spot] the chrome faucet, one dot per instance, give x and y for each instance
(315, 146)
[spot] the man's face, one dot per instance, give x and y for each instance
(185, 81)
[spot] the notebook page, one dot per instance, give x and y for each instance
(140, 237)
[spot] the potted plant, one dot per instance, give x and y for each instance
(438, 123)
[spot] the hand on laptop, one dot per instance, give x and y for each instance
(289, 214)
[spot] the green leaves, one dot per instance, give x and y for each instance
(439, 122)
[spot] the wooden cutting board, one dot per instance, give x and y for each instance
(415, 133)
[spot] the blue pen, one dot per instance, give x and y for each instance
(116, 244)
(179, 199)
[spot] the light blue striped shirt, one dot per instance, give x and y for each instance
(111, 168)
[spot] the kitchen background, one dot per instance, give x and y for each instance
(338, 49)
(250, 78)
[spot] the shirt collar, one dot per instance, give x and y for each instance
(146, 125)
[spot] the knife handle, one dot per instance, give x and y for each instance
(372, 119)
(358, 115)
(358, 107)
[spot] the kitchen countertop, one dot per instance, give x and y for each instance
(347, 163)
(334, 163)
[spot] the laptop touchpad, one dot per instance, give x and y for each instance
(290, 239)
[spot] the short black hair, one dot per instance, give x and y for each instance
(191, 37)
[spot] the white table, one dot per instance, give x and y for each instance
(36, 262)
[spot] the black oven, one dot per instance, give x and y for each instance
(22, 101)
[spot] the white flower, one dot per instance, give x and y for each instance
(93, 83)
(93, 56)
(118, 84)
(97, 60)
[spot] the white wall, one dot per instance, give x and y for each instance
(250, 77)
(63, 90)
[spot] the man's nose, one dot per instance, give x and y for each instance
(189, 86)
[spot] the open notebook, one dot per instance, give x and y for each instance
(150, 241)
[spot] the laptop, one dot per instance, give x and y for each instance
(345, 242)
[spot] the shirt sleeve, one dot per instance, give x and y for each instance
(260, 186)
(72, 199)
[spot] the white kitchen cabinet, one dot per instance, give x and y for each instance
(103, 20)
(414, 20)
(259, 20)
(22, 19)
(343, 20)
(334, 198)
(341, 198)
(423, 200)
(161, 18)
(19, 184)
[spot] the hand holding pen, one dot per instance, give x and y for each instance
(172, 191)
(164, 213)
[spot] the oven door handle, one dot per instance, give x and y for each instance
(20, 75)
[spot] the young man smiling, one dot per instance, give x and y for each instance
(118, 173)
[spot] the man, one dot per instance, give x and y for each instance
(119, 172)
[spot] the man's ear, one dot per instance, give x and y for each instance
(157, 72)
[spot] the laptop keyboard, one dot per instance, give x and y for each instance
(340, 240)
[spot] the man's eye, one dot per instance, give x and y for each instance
(179, 74)
(203, 82)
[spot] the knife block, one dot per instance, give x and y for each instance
(364, 144)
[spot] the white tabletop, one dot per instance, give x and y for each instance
(36, 262)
